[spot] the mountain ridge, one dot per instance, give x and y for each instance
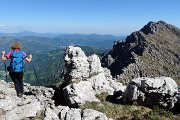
(150, 52)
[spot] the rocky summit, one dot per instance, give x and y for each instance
(37, 104)
(153, 51)
(85, 81)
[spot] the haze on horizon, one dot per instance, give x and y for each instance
(116, 17)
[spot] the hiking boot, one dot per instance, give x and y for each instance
(19, 95)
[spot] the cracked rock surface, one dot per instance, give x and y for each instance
(161, 91)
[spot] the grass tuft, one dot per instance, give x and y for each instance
(128, 112)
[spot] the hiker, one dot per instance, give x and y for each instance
(15, 69)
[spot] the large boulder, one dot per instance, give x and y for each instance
(160, 91)
(85, 77)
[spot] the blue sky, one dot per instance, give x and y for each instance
(117, 17)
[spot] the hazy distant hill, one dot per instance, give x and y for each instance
(60, 41)
(48, 52)
(30, 33)
(153, 51)
(95, 40)
(49, 66)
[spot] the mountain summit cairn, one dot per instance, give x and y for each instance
(153, 51)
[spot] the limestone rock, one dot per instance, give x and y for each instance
(37, 103)
(9, 91)
(20, 112)
(35, 100)
(76, 64)
(101, 84)
(161, 91)
(89, 114)
(73, 114)
(79, 93)
(50, 115)
(9, 102)
(63, 111)
(85, 77)
(94, 65)
(40, 90)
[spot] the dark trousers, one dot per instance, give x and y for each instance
(18, 82)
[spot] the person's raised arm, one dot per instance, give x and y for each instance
(3, 57)
(28, 59)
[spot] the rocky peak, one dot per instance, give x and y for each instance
(150, 52)
(155, 27)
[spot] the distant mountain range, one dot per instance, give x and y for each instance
(48, 49)
(46, 34)
(61, 40)
(30, 33)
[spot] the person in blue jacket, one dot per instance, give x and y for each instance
(15, 69)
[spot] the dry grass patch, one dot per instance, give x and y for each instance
(128, 112)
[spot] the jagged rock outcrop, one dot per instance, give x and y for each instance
(159, 91)
(37, 103)
(151, 52)
(85, 78)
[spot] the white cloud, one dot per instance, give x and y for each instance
(2, 26)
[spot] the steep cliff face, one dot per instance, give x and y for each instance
(150, 52)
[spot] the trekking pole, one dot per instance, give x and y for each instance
(5, 66)
(35, 73)
(5, 69)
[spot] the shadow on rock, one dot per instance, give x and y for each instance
(175, 109)
(116, 98)
(28, 93)
(58, 95)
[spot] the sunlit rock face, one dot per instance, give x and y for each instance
(160, 91)
(153, 51)
(85, 77)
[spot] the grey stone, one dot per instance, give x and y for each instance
(89, 114)
(161, 91)
(20, 112)
(79, 93)
(73, 114)
(50, 115)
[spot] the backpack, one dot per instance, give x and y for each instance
(17, 61)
